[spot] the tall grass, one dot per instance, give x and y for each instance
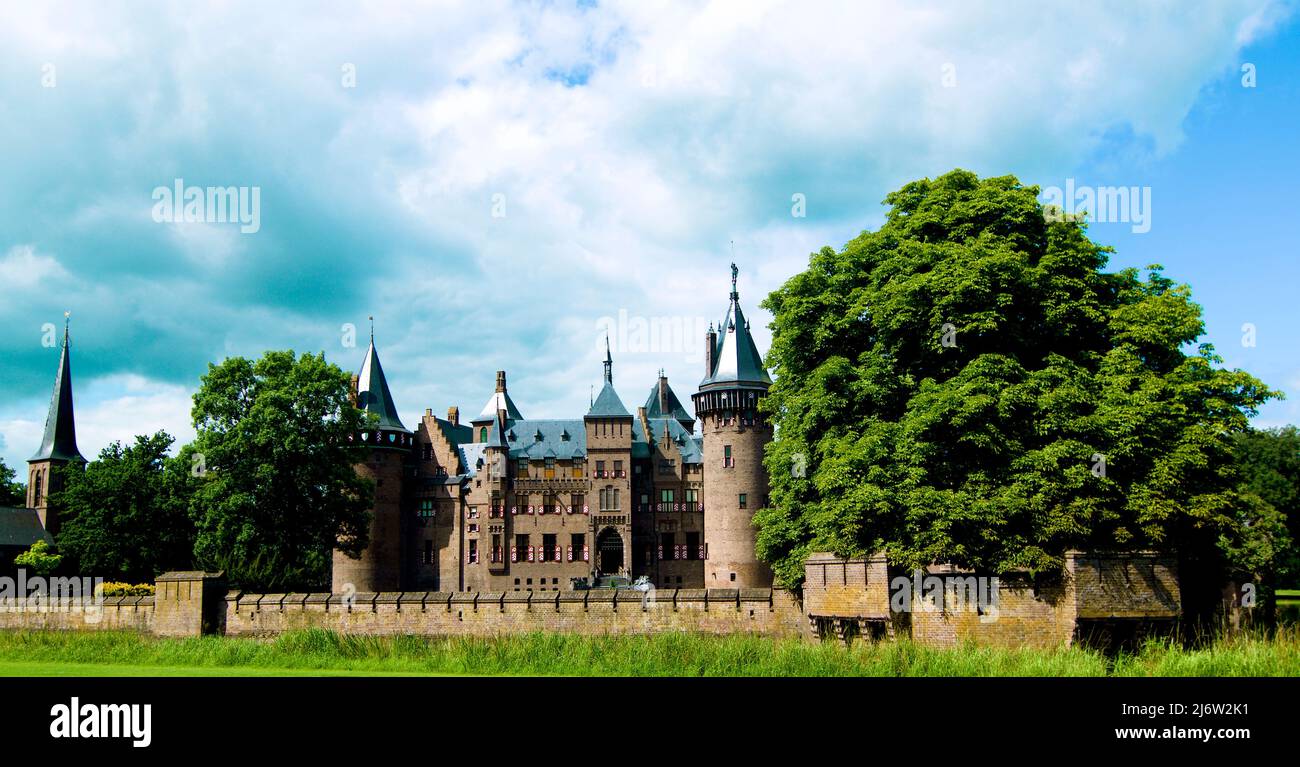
(675, 654)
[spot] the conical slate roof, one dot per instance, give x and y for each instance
(372, 391)
(607, 404)
(735, 357)
(60, 442)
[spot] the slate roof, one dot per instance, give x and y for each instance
(607, 404)
(663, 402)
(499, 400)
(372, 391)
(538, 439)
(21, 528)
(735, 357)
(60, 440)
(470, 454)
(691, 448)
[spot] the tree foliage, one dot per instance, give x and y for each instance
(125, 516)
(39, 559)
(11, 493)
(968, 385)
(278, 490)
(1270, 466)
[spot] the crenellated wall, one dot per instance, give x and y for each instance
(771, 612)
(1114, 597)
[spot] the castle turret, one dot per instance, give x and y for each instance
(390, 445)
(59, 446)
(735, 433)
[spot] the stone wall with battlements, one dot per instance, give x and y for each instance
(769, 612)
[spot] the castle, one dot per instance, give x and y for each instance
(508, 503)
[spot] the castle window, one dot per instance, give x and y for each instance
(694, 550)
(727, 460)
(578, 502)
(482, 434)
(666, 500)
(426, 507)
(666, 550)
(496, 548)
(473, 552)
(473, 512)
(743, 501)
(618, 468)
(549, 549)
(579, 467)
(600, 468)
(550, 468)
(428, 552)
(577, 542)
(692, 495)
(426, 451)
(668, 466)
(521, 468)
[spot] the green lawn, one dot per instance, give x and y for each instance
(58, 668)
(321, 653)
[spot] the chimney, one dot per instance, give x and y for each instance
(453, 415)
(501, 380)
(428, 412)
(663, 393)
(710, 342)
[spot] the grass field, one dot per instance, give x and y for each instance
(323, 653)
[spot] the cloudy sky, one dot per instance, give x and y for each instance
(496, 182)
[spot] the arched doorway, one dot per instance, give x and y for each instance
(609, 552)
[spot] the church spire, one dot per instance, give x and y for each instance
(60, 442)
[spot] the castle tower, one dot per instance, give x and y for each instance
(58, 448)
(379, 568)
(609, 463)
(735, 480)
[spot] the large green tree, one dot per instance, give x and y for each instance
(125, 517)
(969, 385)
(1270, 466)
(11, 493)
(278, 487)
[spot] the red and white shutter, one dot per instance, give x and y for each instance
(514, 554)
(584, 553)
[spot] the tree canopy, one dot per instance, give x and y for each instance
(125, 516)
(11, 493)
(969, 385)
(278, 491)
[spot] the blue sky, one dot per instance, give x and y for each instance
(496, 183)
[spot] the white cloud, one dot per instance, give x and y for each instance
(22, 268)
(694, 126)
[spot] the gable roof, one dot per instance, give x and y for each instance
(663, 402)
(21, 528)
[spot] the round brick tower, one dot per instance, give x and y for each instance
(379, 568)
(735, 480)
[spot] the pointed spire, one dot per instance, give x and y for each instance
(373, 395)
(735, 358)
(609, 362)
(607, 404)
(60, 441)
